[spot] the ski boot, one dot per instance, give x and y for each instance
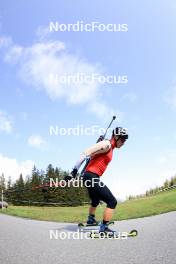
(91, 220)
(105, 230)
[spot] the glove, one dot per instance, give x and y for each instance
(74, 172)
(73, 175)
(68, 178)
(100, 138)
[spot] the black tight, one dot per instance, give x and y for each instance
(98, 191)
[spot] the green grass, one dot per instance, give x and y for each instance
(153, 205)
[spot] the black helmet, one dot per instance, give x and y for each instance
(120, 133)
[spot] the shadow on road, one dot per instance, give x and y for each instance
(74, 228)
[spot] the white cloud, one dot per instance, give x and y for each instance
(37, 62)
(38, 142)
(102, 110)
(13, 54)
(43, 32)
(5, 122)
(40, 61)
(11, 167)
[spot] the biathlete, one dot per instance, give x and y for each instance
(100, 156)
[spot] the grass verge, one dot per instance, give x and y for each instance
(153, 205)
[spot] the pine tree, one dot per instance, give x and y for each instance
(57, 173)
(166, 184)
(174, 180)
(36, 181)
(2, 182)
(171, 183)
(9, 183)
(20, 183)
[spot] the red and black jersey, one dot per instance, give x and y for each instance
(99, 163)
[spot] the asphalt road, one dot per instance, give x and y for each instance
(24, 241)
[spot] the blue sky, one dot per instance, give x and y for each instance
(146, 105)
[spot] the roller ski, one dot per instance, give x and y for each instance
(113, 234)
(106, 232)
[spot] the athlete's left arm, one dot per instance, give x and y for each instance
(98, 148)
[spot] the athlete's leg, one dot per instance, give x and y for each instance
(111, 202)
(105, 195)
(108, 213)
(92, 210)
(98, 191)
(93, 197)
